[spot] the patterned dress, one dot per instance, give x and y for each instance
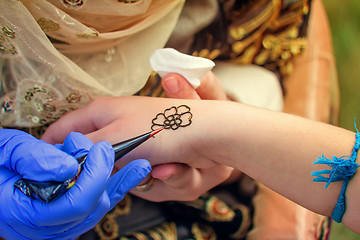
(268, 33)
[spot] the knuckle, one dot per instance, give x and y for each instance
(98, 102)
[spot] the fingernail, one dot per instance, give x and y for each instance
(171, 85)
(166, 178)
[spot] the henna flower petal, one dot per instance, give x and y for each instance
(182, 109)
(159, 119)
(170, 111)
(186, 119)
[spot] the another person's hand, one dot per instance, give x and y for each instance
(81, 207)
(176, 181)
(211, 88)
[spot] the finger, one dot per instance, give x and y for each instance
(35, 216)
(26, 220)
(35, 159)
(126, 179)
(187, 185)
(79, 201)
(211, 88)
(76, 121)
(59, 146)
(179, 187)
(19, 218)
(121, 130)
(107, 132)
(176, 86)
(185, 176)
(85, 120)
(69, 230)
(5, 174)
(164, 171)
(77, 144)
(203, 180)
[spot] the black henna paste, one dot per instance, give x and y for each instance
(173, 118)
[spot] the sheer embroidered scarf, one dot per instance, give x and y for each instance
(58, 55)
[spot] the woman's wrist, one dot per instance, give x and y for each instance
(215, 130)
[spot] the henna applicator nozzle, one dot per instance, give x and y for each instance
(122, 148)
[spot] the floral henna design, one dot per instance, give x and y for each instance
(173, 118)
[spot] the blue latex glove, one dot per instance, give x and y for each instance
(81, 207)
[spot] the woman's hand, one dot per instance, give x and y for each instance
(171, 178)
(118, 119)
(183, 183)
(179, 178)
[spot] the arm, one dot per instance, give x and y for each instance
(275, 148)
(174, 181)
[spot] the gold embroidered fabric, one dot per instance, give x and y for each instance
(204, 219)
(267, 33)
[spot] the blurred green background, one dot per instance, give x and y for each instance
(344, 19)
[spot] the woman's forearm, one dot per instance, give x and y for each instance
(279, 150)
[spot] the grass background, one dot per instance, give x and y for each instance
(344, 19)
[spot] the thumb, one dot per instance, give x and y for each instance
(126, 179)
(211, 88)
(34, 159)
(176, 86)
(77, 144)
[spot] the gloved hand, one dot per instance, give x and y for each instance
(81, 207)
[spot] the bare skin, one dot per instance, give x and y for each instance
(275, 148)
(171, 177)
